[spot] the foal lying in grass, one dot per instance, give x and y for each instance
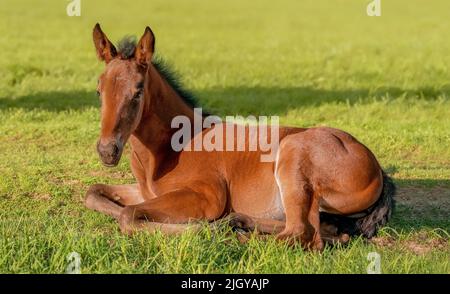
(322, 184)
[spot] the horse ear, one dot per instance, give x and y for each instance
(145, 48)
(105, 49)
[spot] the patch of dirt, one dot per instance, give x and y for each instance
(420, 243)
(383, 241)
(422, 249)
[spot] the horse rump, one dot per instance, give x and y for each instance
(376, 216)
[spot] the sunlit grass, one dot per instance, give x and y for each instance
(385, 80)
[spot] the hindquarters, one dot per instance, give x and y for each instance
(368, 222)
(327, 170)
(341, 172)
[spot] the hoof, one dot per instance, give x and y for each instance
(240, 221)
(307, 240)
(92, 193)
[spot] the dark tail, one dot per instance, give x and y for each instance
(377, 215)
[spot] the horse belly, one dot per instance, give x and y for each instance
(261, 200)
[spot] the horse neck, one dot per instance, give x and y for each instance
(162, 103)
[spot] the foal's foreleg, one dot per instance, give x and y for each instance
(171, 213)
(110, 199)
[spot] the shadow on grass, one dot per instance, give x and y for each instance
(278, 101)
(422, 203)
(52, 101)
(233, 100)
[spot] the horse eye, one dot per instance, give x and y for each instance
(138, 94)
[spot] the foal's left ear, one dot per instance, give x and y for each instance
(145, 48)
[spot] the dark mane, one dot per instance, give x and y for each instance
(126, 48)
(173, 79)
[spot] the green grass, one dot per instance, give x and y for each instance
(384, 79)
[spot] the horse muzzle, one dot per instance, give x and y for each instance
(110, 153)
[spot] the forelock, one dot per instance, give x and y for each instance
(126, 47)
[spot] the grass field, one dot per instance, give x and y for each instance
(384, 79)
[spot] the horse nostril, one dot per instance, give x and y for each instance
(111, 149)
(114, 149)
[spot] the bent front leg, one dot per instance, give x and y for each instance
(110, 199)
(179, 208)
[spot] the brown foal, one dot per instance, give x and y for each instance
(323, 185)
